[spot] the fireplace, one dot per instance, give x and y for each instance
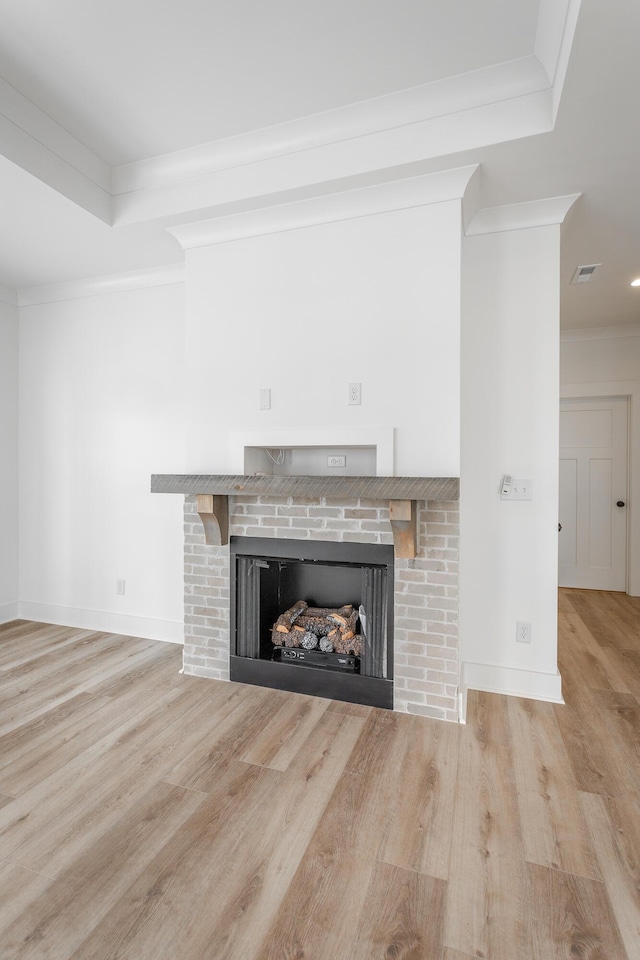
(313, 617)
(351, 510)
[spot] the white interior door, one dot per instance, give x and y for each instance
(592, 549)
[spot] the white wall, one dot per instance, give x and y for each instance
(606, 363)
(374, 300)
(101, 392)
(8, 462)
(508, 550)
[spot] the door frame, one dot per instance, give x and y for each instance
(627, 399)
(630, 392)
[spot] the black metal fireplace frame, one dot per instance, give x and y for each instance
(299, 677)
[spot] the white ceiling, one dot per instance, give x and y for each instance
(94, 86)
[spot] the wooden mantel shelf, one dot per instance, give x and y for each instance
(213, 491)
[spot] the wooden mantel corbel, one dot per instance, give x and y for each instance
(403, 519)
(214, 513)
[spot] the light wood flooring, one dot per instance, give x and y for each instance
(145, 815)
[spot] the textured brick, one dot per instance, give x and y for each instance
(425, 661)
(334, 513)
(292, 511)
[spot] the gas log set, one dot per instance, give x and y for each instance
(322, 629)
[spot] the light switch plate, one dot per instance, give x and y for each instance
(519, 490)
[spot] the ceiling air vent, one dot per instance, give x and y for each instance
(584, 274)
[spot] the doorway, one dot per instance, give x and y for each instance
(592, 551)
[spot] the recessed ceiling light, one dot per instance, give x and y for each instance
(636, 282)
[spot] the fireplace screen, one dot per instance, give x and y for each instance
(318, 606)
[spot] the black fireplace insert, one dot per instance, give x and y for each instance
(313, 617)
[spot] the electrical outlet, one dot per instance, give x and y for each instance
(523, 631)
(120, 587)
(517, 490)
(264, 398)
(355, 392)
(336, 461)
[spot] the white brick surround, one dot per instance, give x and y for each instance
(426, 588)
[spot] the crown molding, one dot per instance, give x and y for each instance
(8, 295)
(557, 21)
(430, 101)
(520, 216)
(35, 142)
(619, 331)
(96, 286)
(345, 205)
(443, 135)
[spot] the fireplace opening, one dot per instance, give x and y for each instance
(313, 617)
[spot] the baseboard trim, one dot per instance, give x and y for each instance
(9, 612)
(513, 682)
(169, 631)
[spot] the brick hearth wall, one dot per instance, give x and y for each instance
(426, 589)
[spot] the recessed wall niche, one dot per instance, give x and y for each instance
(309, 461)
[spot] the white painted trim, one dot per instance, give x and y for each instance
(47, 135)
(512, 681)
(9, 612)
(382, 438)
(499, 122)
(557, 20)
(345, 205)
(97, 286)
(520, 216)
(601, 333)
(462, 703)
(464, 93)
(38, 145)
(8, 295)
(170, 631)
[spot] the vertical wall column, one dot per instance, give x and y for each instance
(510, 414)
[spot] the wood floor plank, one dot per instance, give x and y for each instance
(22, 707)
(279, 742)
(570, 918)
(420, 814)
(199, 764)
(619, 714)
(316, 918)
(304, 795)
(615, 831)
(178, 891)
(353, 709)
(94, 718)
(19, 888)
(486, 873)
(600, 617)
(55, 923)
(46, 827)
(32, 645)
(403, 916)
(30, 735)
(554, 830)
(588, 747)
(627, 662)
(582, 656)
